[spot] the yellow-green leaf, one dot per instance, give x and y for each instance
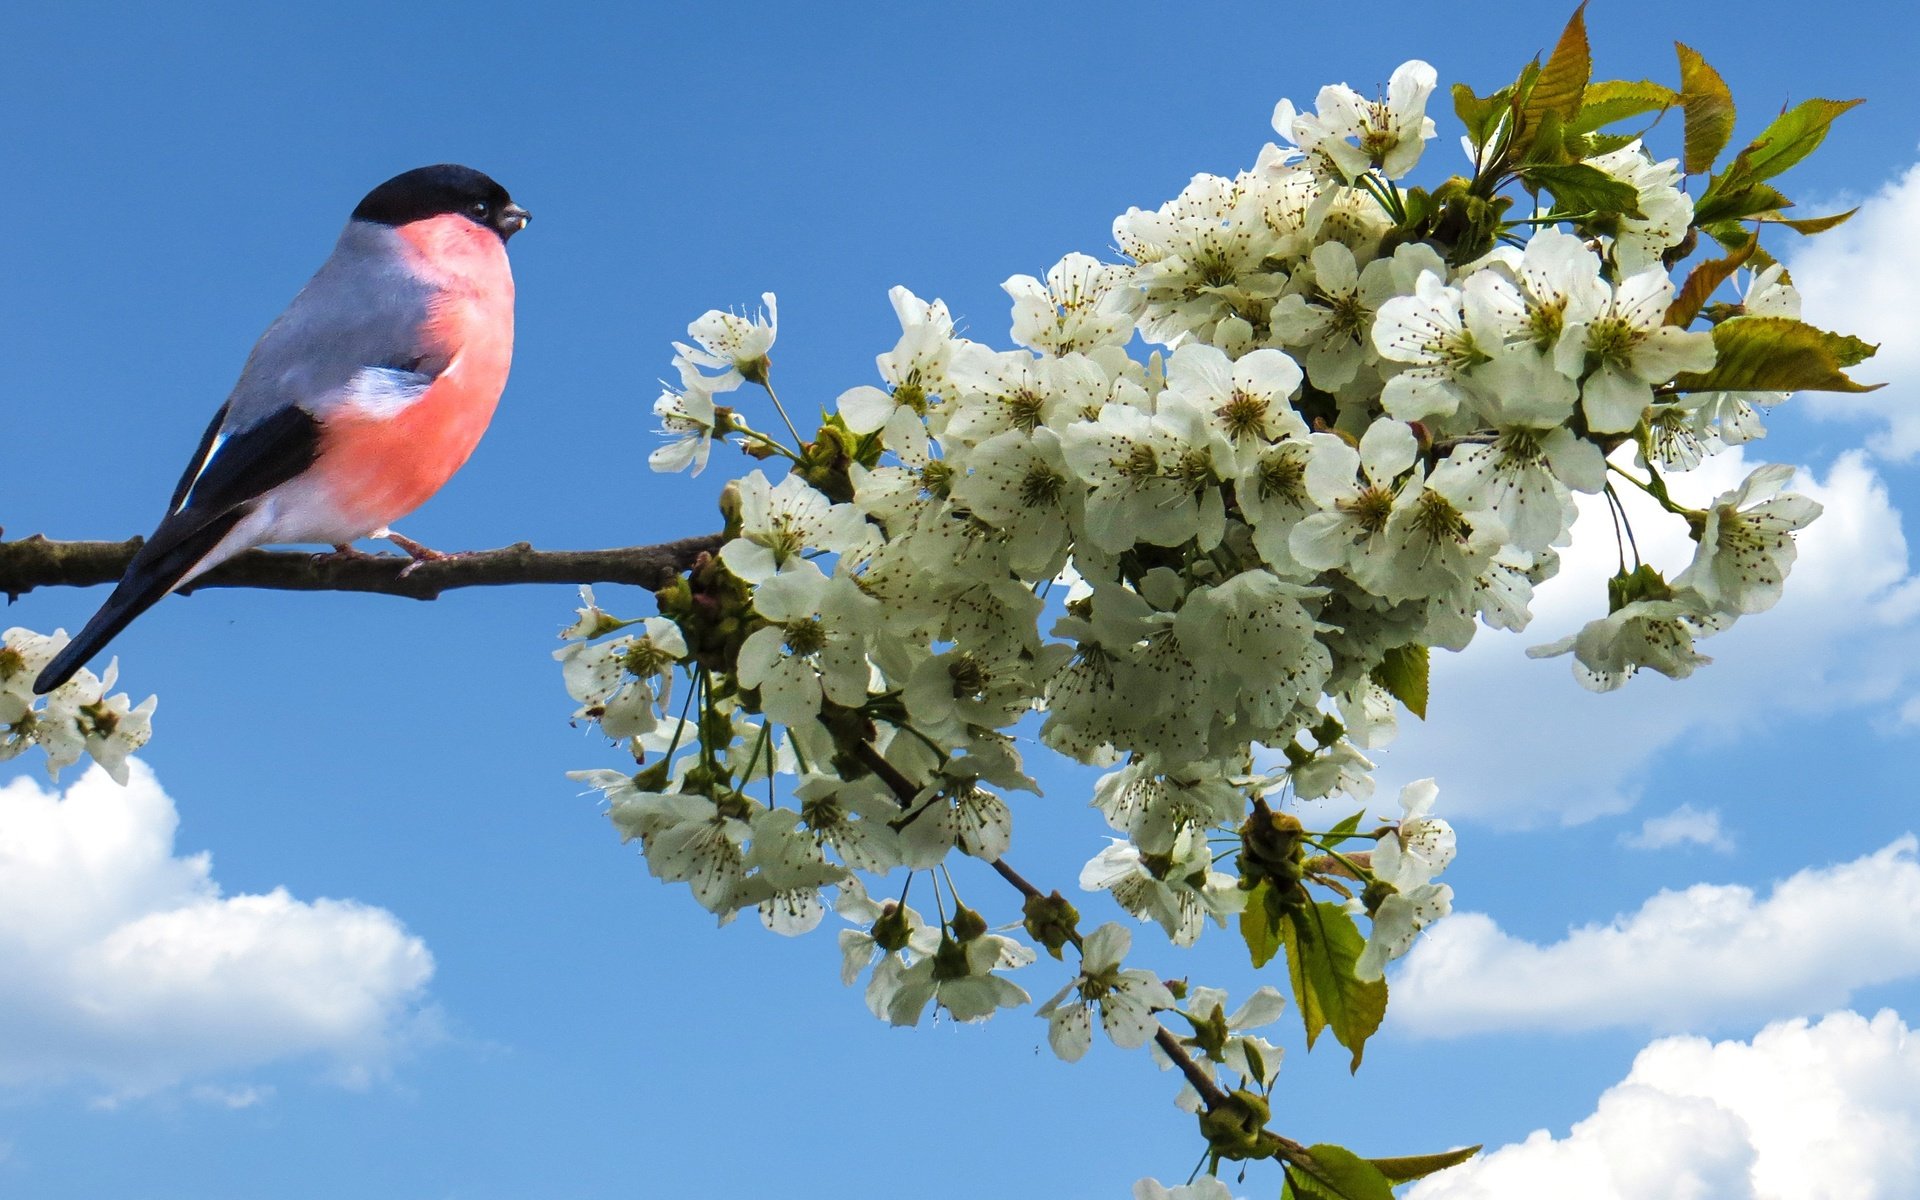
(1779, 354)
(1732, 235)
(1708, 105)
(1705, 280)
(1618, 99)
(1403, 672)
(1809, 224)
(1258, 928)
(1323, 944)
(1579, 188)
(1729, 199)
(1326, 1172)
(1562, 83)
(1419, 1166)
(1793, 135)
(1481, 115)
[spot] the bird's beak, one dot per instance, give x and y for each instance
(512, 220)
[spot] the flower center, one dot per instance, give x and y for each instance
(805, 637)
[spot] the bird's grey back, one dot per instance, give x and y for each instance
(362, 308)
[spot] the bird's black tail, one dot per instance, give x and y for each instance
(156, 570)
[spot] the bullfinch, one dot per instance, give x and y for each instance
(357, 403)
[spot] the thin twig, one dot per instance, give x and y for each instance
(37, 562)
(1211, 1093)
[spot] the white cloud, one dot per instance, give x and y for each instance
(1829, 1111)
(1683, 826)
(127, 970)
(1516, 742)
(1708, 957)
(1864, 278)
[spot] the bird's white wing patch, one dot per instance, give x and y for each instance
(213, 448)
(385, 391)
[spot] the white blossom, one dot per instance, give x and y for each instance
(1746, 546)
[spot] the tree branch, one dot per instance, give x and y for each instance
(36, 562)
(1211, 1093)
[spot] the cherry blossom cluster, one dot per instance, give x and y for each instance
(77, 718)
(1200, 528)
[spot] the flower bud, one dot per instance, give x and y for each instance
(1235, 1129)
(1051, 921)
(967, 924)
(890, 930)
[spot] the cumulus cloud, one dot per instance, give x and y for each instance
(1827, 1111)
(1864, 278)
(1684, 826)
(1708, 957)
(1516, 742)
(127, 970)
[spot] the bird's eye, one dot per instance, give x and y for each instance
(480, 209)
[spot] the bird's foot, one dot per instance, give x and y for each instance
(415, 551)
(341, 552)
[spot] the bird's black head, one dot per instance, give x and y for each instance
(435, 191)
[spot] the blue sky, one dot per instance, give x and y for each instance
(174, 177)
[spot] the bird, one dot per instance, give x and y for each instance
(355, 406)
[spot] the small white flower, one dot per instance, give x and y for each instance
(780, 522)
(1644, 633)
(620, 682)
(1358, 494)
(1084, 303)
(1252, 1057)
(1126, 999)
(1019, 484)
(733, 343)
(959, 814)
(1407, 861)
(1327, 321)
(1390, 133)
(1666, 210)
(1152, 477)
(1163, 889)
(688, 419)
(1443, 335)
(1207, 1187)
(1631, 348)
(785, 874)
(1747, 545)
(814, 645)
(959, 977)
(1247, 401)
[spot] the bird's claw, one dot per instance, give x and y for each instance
(341, 553)
(415, 551)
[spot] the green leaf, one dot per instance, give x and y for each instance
(1779, 354)
(1709, 110)
(1481, 115)
(1793, 135)
(1705, 280)
(1593, 145)
(1724, 201)
(1346, 829)
(1403, 672)
(1323, 944)
(1335, 1173)
(1562, 83)
(1419, 1166)
(1732, 235)
(1258, 927)
(1618, 99)
(1579, 188)
(1547, 140)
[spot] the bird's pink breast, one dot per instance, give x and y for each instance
(378, 465)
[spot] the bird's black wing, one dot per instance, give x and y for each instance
(229, 473)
